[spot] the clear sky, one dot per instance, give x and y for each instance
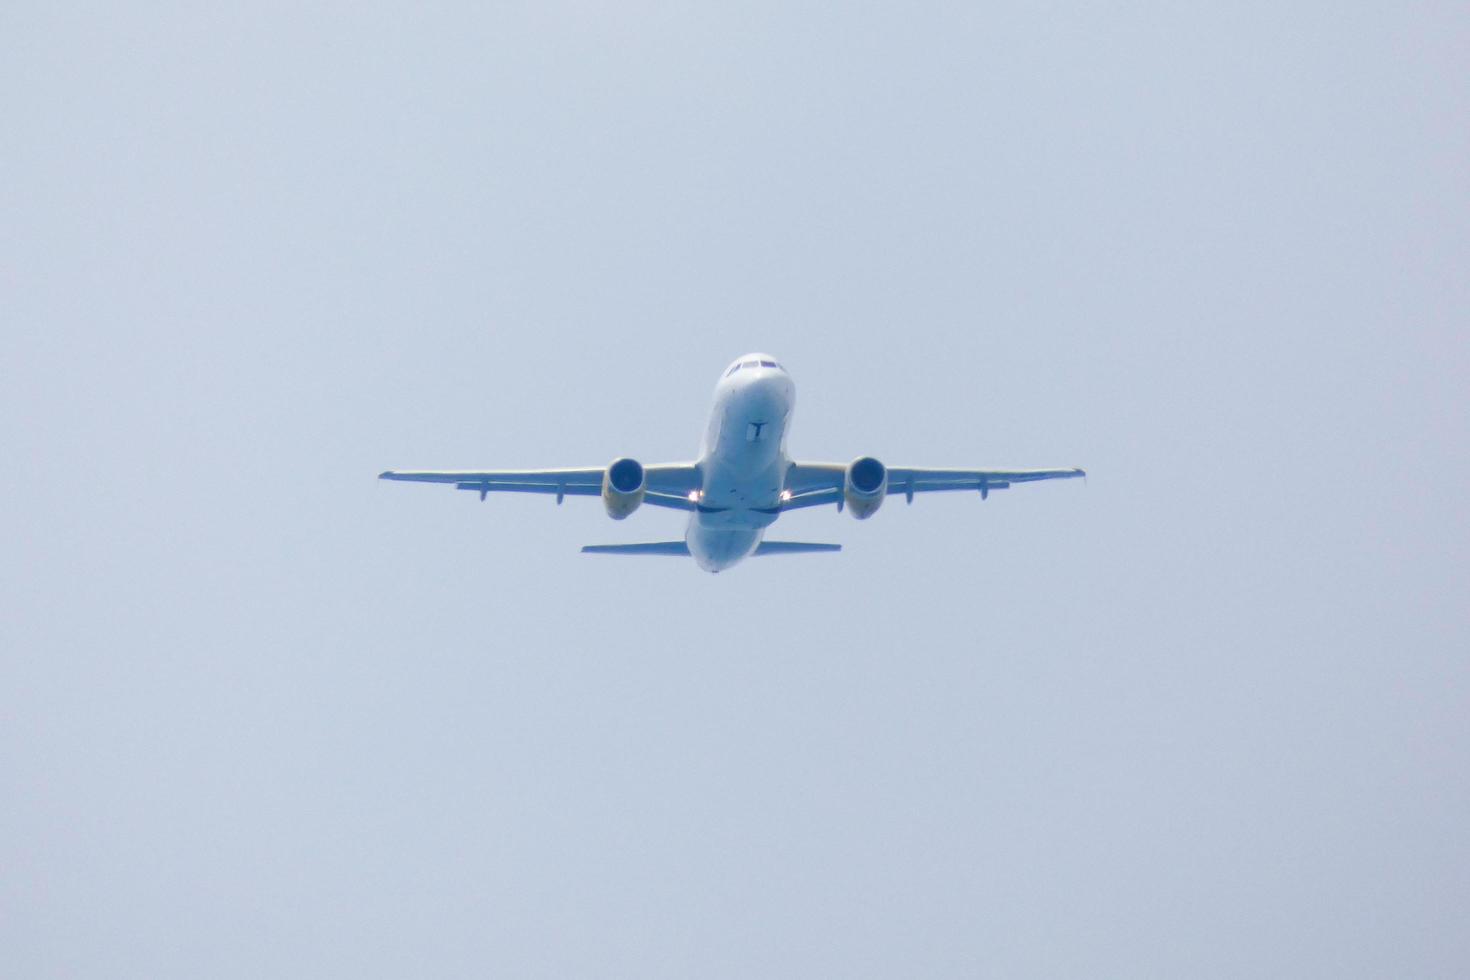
(1207, 715)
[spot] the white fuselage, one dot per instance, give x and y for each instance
(742, 463)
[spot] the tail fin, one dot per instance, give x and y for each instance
(792, 547)
(642, 548)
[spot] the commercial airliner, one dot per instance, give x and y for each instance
(742, 481)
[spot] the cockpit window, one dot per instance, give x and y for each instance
(752, 363)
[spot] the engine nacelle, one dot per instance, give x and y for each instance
(864, 486)
(623, 487)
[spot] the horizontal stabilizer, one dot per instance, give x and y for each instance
(642, 548)
(792, 547)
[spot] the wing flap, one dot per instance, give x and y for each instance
(571, 490)
(669, 484)
(804, 479)
(498, 479)
(900, 475)
(814, 498)
(816, 484)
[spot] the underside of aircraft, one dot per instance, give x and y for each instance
(742, 480)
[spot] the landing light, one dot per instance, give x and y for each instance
(694, 496)
(785, 495)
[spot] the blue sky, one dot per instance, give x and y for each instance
(1205, 715)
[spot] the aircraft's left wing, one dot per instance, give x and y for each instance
(669, 484)
(909, 481)
(813, 484)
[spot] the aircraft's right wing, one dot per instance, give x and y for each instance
(669, 484)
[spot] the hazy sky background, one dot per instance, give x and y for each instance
(263, 716)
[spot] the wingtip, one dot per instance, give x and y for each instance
(386, 475)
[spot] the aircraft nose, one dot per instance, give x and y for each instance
(766, 387)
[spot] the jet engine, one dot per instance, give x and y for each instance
(623, 487)
(864, 486)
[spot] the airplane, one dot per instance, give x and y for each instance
(742, 481)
